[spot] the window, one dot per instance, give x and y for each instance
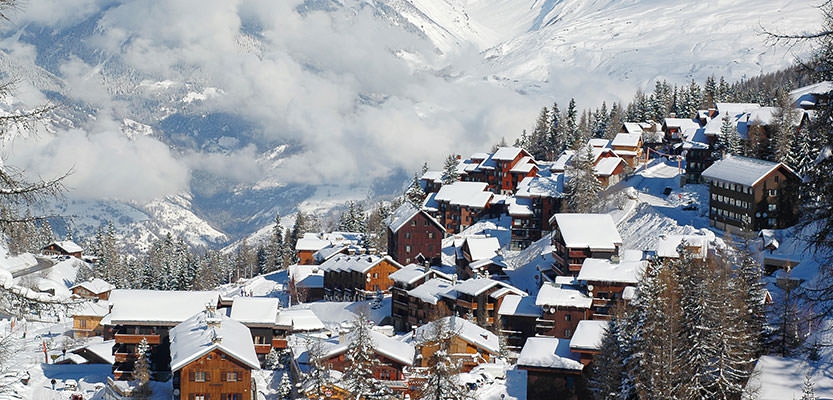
(773, 192)
(260, 340)
(430, 235)
(199, 396)
(568, 333)
(568, 317)
(408, 248)
(200, 376)
(413, 222)
(407, 235)
(776, 178)
(231, 396)
(772, 207)
(375, 275)
(82, 323)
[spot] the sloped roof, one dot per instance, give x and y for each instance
(383, 345)
(408, 274)
(194, 338)
(667, 245)
(358, 263)
(405, 213)
(589, 335)
(481, 248)
(308, 276)
(506, 153)
(538, 186)
(475, 287)
(742, 170)
(563, 161)
(594, 231)
(548, 352)
(431, 290)
(519, 206)
(607, 165)
(90, 308)
(311, 242)
(627, 139)
(161, 307)
(603, 270)
(68, 246)
(468, 194)
(300, 319)
(631, 128)
(434, 176)
(468, 331)
(519, 306)
(255, 310)
(562, 296)
(95, 286)
(524, 165)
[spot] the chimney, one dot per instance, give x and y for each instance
(215, 338)
(672, 115)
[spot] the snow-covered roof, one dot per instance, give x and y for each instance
(103, 350)
(408, 274)
(311, 242)
(548, 352)
(254, 311)
(475, 287)
(519, 207)
(467, 194)
(806, 96)
(631, 128)
(206, 331)
(430, 291)
(434, 176)
(358, 263)
(681, 123)
(627, 139)
(599, 143)
(506, 153)
(563, 161)
(742, 170)
(589, 335)
(524, 166)
(468, 331)
(300, 320)
(519, 306)
(389, 347)
(405, 213)
(594, 231)
(95, 286)
(90, 308)
(562, 296)
(603, 270)
(68, 246)
(481, 248)
(667, 245)
(607, 165)
(162, 307)
(762, 115)
(308, 276)
(537, 186)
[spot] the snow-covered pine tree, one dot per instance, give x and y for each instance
(729, 139)
(285, 388)
(141, 370)
(442, 375)
(572, 136)
(583, 187)
(414, 194)
(353, 219)
(450, 173)
(808, 390)
(537, 141)
(785, 120)
(361, 357)
(608, 380)
(555, 137)
(615, 121)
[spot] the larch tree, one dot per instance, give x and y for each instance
(583, 188)
(785, 120)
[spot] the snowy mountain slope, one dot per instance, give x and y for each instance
(249, 109)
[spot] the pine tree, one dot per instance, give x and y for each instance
(729, 139)
(353, 219)
(583, 188)
(285, 388)
(450, 173)
(274, 248)
(555, 138)
(358, 376)
(537, 143)
(784, 125)
(141, 370)
(808, 390)
(608, 381)
(442, 376)
(414, 194)
(572, 136)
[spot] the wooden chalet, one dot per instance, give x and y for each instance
(628, 146)
(479, 256)
(587, 341)
(413, 232)
(553, 370)
(579, 236)
(747, 195)
(95, 288)
(535, 202)
(470, 344)
(607, 281)
(359, 277)
(407, 311)
(86, 318)
(563, 307)
(502, 170)
(518, 319)
(480, 298)
(260, 315)
(63, 248)
(459, 205)
(149, 314)
(812, 97)
(426, 302)
(306, 283)
(212, 357)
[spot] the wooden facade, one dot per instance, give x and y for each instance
(420, 235)
(348, 278)
(561, 321)
(468, 354)
(215, 375)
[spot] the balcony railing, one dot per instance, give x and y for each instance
(279, 343)
(467, 304)
(136, 339)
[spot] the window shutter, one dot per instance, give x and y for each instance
(191, 377)
(207, 378)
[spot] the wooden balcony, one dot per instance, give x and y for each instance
(136, 339)
(467, 304)
(279, 343)
(489, 306)
(263, 348)
(599, 303)
(121, 357)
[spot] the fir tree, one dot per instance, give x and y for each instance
(450, 173)
(414, 194)
(572, 135)
(808, 390)
(583, 188)
(285, 388)
(609, 378)
(353, 219)
(784, 124)
(729, 139)
(555, 138)
(358, 377)
(442, 376)
(141, 370)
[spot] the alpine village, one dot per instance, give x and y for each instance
(673, 247)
